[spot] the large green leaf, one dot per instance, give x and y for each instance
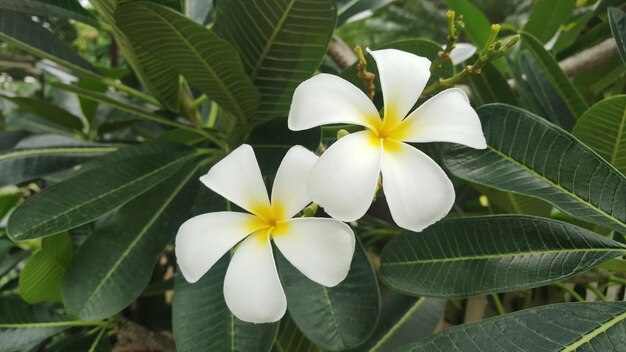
(202, 321)
(97, 286)
(546, 16)
(603, 128)
(335, 318)
(490, 87)
(526, 154)
(281, 43)
(550, 68)
(207, 62)
(19, 30)
(514, 203)
(19, 165)
(617, 20)
(559, 327)
(477, 255)
(22, 325)
(65, 9)
(477, 25)
(290, 338)
(40, 280)
(92, 194)
(48, 111)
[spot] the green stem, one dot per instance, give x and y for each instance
(498, 303)
(572, 293)
(53, 324)
(618, 280)
(199, 101)
(597, 292)
(95, 343)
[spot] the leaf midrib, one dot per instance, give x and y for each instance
(618, 139)
(398, 324)
(502, 255)
(589, 336)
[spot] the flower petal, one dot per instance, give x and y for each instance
(252, 289)
(344, 179)
(238, 178)
(202, 240)
(446, 117)
(417, 190)
(320, 248)
(462, 52)
(327, 99)
(290, 191)
(402, 79)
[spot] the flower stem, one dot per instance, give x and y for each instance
(365, 76)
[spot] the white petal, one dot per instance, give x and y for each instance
(238, 178)
(327, 99)
(417, 190)
(252, 289)
(320, 248)
(446, 117)
(202, 240)
(462, 52)
(344, 179)
(402, 78)
(290, 192)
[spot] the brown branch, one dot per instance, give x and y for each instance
(341, 53)
(589, 58)
(133, 337)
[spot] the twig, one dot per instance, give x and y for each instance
(131, 333)
(341, 53)
(589, 58)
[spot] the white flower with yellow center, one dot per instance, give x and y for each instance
(344, 179)
(320, 248)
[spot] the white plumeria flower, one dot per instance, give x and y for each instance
(344, 179)
(320, 248)
(462, 52)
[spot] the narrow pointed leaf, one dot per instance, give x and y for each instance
(526, 154)
(97, 286)
(617, 20)
(92, 194)
(471, 256)
(564, 327)
(207, 62)
(202, 321)
(64, 9)
(546, 16)
(491, 87)
(334, 318)
(603, 129)
(48, 111)
(281, 44)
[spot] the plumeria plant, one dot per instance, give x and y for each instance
(442, 175)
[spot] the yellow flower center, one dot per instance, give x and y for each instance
(390, 131)
(269, 221)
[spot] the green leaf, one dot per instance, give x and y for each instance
(603, 129)
(281, 44)
(40, 280)
(513, 203)
(202, 321)
(19, 165)
(491, 87)
(546, 16)
(7, 202)
(48, 111)
(207, 62)
(290, 338)
(564, 327)
(617, 20)
(83, 341)
(477, 25)
(334, 318)
(64, 9)
(526, 154)
(19, 30)
(551, 70)
(470, 256)
(22, 325)
(8, 139)
(91, 194)
(97, 286)
(552, 104)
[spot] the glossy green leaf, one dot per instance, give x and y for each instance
(40, 280)
(207, 62)
(550, 68)
(514, 203)
(546, 16)
(559, 327)
(22, 325)
(7, 202)
(470, 256)
(334, 318)
(64, 9)
(490, 87)
(552, 105)
(617, 20)
(477, 25)
(92, 194)
(526, 154)
(8, 139)
(19, 165)
(19, 30)
(603, 129)
(202, 321)
(97, 286)
(48, 111)
(281, 43)
(290, 338)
